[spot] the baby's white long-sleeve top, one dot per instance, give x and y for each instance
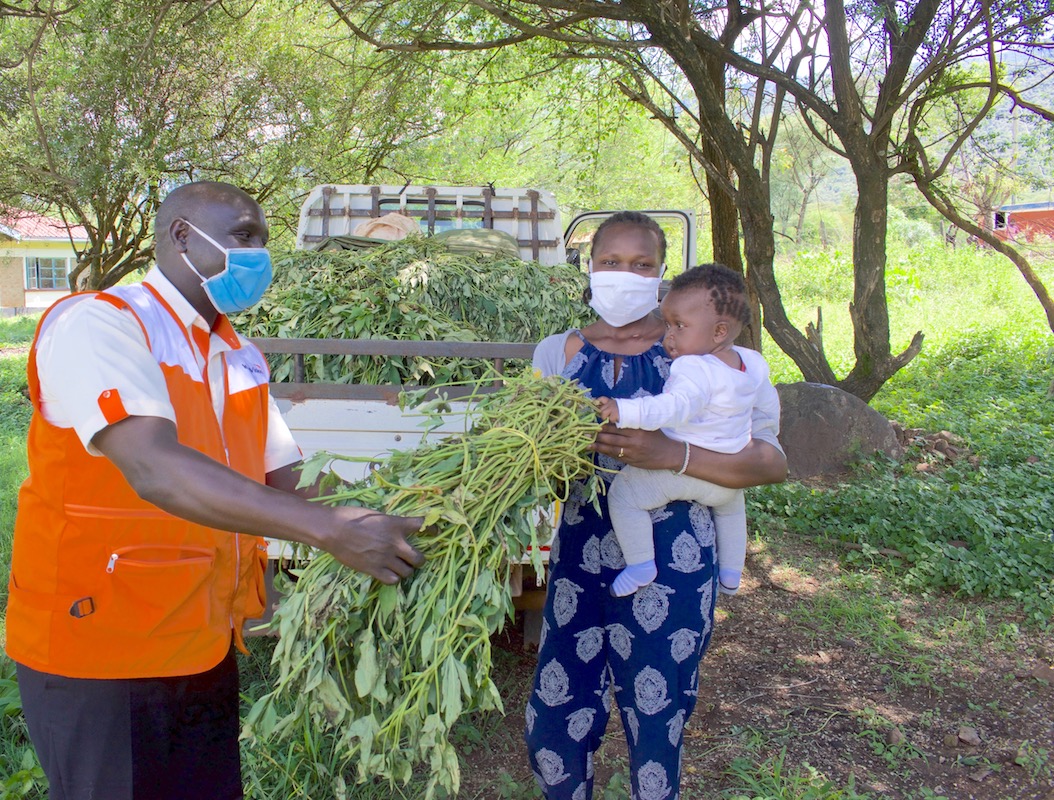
(706, 402)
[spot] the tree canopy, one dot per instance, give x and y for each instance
(104, 105)
(861, 79)
(108, 104)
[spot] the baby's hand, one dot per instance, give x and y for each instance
(608, 409)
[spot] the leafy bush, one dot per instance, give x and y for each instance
(974, 530)
(910, 231)
(20, 773)
(414, 289)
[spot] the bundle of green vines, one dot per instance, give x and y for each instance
(389, 669)
(413, 289)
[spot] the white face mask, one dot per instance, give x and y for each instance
(622, 297)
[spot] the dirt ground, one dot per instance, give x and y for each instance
(936, 698)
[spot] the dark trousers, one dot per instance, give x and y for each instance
(137, 739)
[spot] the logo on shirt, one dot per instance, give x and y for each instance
(255, 369)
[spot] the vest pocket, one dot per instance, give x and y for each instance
(157, 589)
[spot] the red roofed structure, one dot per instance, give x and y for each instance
(36, 256)
(1024, 221)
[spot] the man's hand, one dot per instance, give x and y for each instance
(607, 409)
(374, 543)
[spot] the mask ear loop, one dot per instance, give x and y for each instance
(208, 238)
(214, 243)
(190, 264)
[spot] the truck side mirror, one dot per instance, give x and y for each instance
(574, 256)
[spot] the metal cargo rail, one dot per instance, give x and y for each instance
(302, 389)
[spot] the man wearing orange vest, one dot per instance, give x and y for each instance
(157, 461)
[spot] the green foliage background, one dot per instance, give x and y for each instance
(20, 772)
(973, 530)
(983, 374)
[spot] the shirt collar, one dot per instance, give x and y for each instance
(186, 313)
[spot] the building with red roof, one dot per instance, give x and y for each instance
(36, 256)
(1024, 221)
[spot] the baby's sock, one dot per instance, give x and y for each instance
(728, 581)
(633, 577)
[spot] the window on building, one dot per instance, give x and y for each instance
(46, 273)
(1000, 220)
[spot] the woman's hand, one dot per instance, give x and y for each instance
(756, 464)
(644, 449)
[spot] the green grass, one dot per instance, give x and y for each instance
(860, 610)
(948, 294)
(20, 773)
(18, 330)
(973, 530)
(772, 779)
(15, 411)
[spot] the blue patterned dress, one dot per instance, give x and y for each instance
(640, 652)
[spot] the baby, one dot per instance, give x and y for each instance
(707, 401)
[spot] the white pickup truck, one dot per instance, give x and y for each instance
(364, 420)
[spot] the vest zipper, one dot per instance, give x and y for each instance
(206, 378)
(113, 562)
(227, 455)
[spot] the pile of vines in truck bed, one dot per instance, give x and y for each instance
(414, 289)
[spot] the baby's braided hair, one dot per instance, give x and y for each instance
(726, 288)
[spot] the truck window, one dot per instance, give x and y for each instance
(445, 217)
(676, 225)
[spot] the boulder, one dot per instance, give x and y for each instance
(824, 429)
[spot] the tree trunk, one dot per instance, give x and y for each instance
(803, 207)
(760, 245)
(752, 191)
(724, 216)
(724, 235)
(868, 311)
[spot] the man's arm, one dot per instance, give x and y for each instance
(287, 479)
(187, 484)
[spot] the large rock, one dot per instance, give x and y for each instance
(823, 430)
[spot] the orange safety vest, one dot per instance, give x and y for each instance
(106, 585)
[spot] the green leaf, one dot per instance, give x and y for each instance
(450, 701)
(334, 704)
(312, 468)
(261, 719)
(388, 600)
(366, 670)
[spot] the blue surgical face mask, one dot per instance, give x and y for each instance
(245, 277)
